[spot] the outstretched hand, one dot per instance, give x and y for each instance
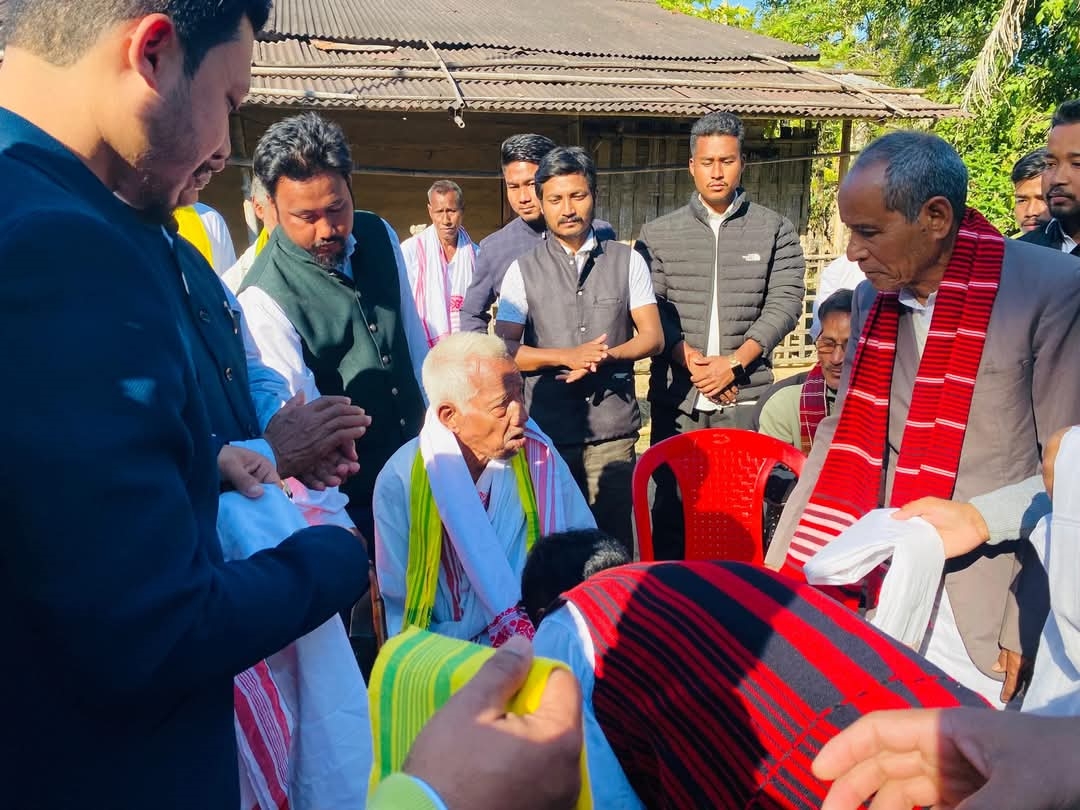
(961, 526)
(474, 753)
(984, 759)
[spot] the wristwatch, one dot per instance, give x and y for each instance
(737, 368)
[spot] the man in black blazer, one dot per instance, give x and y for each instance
(1061, 183)
(123, 627)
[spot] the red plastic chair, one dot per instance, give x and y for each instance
(721, 473)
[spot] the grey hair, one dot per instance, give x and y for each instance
(918, 167)
(446, 187)
(717, 123)
(448, 366)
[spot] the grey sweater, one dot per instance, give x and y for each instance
(755, 271)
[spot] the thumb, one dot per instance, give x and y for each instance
(501, 676)
(247, 484)
(601, 339)
(909, 510)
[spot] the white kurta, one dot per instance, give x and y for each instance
(1055, 684)
(458, 611)
(438, 287)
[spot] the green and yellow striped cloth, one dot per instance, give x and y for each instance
(415, 674)
(426, 538)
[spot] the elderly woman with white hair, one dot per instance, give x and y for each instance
(458, 508)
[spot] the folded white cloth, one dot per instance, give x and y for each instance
(910, 588)
(913, 606)
(317, 677)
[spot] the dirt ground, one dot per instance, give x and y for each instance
(641, 383)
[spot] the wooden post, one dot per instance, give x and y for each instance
(574, 138)
(845, 147)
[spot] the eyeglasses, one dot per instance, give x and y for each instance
(826, 346)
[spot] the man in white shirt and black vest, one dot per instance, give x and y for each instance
(578, 311)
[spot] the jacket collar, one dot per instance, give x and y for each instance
(27, 143)
(701, 213)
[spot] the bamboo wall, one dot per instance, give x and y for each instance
(432, 142)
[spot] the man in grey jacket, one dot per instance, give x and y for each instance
(728, 276)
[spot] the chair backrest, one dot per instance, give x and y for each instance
(721, 473)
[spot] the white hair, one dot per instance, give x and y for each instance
(448, 366)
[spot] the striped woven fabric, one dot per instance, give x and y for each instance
(718, 683)
(812, 407)
(415, 674)
(850, 482)
(262, 736)
(428, 536)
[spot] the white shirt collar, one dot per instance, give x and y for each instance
(722, 216)
(586, 248)
(908, 299)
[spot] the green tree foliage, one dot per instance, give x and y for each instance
(935, 44)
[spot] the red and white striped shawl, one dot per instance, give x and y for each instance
(813, 407)
(263, 737)
(849, 485)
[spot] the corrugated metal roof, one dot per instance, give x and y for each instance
(296, 73)
(596, 27)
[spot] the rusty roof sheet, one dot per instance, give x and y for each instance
(298, 73)
(597, 27)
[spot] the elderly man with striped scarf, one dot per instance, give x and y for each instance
(440, 261)
(458, 508)
(964, 366)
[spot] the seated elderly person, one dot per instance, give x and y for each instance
(458, 508)
(793, 413)
(712, 684)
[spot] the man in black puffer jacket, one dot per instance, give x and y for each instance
(728, 276)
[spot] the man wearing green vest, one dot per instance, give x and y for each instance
(328, 299)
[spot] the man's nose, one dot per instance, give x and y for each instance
(218, 159)
(855, 251)
(519, 414)
(324, 229)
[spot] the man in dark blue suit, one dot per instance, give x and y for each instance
(123, 627)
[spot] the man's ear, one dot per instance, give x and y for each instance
(155, 53)
(939, 217)
(447, 413)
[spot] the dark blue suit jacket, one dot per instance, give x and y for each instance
(122, 626)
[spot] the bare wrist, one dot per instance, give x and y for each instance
(981, 528)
